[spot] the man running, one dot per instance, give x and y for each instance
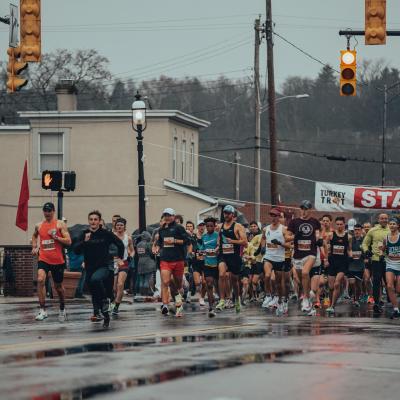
(375, 238)
(356, 265)
(48, 240)
(340, 244)
(232, 237)
(171, 244)
(210, 246)
(305, 232)
(121, 269)
(391, 248)
(198, 262)
(274, 241)
(94, 244)
(367, 271)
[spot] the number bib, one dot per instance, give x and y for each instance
(47, 245)
(272, 246)
(227, 248)
(141, 251)
(304, 245)
(338, 250)
(356, 255)
(169, 242)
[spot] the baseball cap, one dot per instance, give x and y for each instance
(169, 211)
(306, 205)
(201, 222)
(48, 207)
(229, 209)
(275, 212)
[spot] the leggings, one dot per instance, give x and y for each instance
(378, 273)
(99, 282)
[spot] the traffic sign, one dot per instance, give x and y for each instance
(14, 26)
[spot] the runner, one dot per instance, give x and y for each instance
(375, 238)
(339, 243)
(305, 232)
(257, 265)
(356, 265)
(48, 240)
(210, 245)
(274, 241)
(232, 237)
(94, 245)
(122, 270)
(391, 248)
(171, 244)
(198, 262)
(367, 298)
(326, 229)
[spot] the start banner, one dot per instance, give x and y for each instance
(333, 197)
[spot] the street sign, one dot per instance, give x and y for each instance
(14, 26)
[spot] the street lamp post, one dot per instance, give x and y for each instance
(139, 125)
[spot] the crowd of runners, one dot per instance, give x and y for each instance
(302, 263)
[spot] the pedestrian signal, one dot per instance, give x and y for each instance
(375, 22)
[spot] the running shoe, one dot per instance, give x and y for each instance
(346, 295)
(274, 302)
(364, 298)
(164, 309)
(211, 313)
(62, 316)
(178, 300)
(229, 304)
(221, 305)
(326, 302)
(371, 300)
(285, 307)
(356, 304)
(202, 302)
(317, 305)
(41, 315)
(96, 318)
(188, 297)
(330, 310)
(266, 302)
(294, 297)
(305, 305)
(279, 310)
(115, 311)
(179, 311)
(237, 305)
(312, 296)
(312, 312)
(395, 314)
(106, 322)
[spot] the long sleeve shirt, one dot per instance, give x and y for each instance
(171, 251)
(374, 239)
(96, 250)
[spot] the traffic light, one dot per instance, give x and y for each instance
(69, 181)
(348, 72)
(30, 30)
(52, 180)
(375, 22)
(14, 68)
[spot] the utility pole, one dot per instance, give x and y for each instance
(385, 103)
(257, 108)
(237, 176)
(271, 105)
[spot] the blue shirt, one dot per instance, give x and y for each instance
(209, 246)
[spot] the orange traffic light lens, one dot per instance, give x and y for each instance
(348, 73)
(348, 89)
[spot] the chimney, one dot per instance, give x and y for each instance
(66, 95)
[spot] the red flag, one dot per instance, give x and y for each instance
(22, 212)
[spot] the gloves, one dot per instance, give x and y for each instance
(368, 254)
(276, 241)
(320, 242)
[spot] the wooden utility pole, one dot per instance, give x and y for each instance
(257, 108)
(237, 176)
(271, 104)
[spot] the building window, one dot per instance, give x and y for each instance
(191, 172)
(183, 158)
(51, 151)
(174, 159)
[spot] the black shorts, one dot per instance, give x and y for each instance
(198, 266)
(358, 275)
(57, 271)
(279, 266)
(233, 263)
(245, 272)
(336, 267)
(315, 271)
(368, 266)
(257, 268)
(211, 272)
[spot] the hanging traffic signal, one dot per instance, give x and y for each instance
(52, 180)
(30, 30)
(348, 72)
(375, 22)
(14, 68)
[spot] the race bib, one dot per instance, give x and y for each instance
(210, 252)
(200, 256)
(272, 246)
(304, 245)
(48, 245)
(141, 251)
(356, 255)
(227, 248)
(338, 250)
(169, 242)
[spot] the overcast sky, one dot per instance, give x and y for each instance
(143, 39)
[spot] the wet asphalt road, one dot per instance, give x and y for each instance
(143, 355)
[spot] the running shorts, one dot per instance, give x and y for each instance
(57, 271)
(175, 267)
(257, 268)
(299, 263)
(211, 272)
(315, 271)
(393, 271)
(233, 263)
(335, 267)
(355, 274)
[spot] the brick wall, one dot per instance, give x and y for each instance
(24, 265)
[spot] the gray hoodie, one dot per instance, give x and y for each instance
(146, 263)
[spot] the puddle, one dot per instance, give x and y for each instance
(169, 375)
(312, 328)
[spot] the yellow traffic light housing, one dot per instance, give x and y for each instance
(30, 30)
(14, 68)
(348, 72)
(375, 22)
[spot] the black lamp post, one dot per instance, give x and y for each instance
(139, 125)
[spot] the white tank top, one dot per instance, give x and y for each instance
(274, 252)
